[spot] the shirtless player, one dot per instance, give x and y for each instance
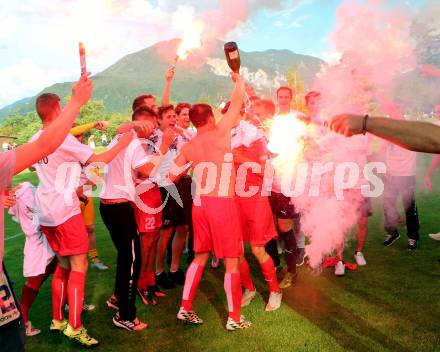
(215, 194)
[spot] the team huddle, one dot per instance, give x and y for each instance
(174, 179)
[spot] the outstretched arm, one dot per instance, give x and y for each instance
(110, 154)
(232, 116)
(179, 168)
(416, 136)
(79, 130)
(167, 88)
(54, 134)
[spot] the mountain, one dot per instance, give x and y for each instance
(144, 71)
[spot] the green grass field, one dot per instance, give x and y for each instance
(392, 304)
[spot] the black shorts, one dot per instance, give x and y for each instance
(173, 214)
(282, 207)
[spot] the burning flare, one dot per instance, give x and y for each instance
(286, 140)
(192, 39)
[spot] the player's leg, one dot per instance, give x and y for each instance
(161, 278)
(178, 245)
(270, 276)
(75, 288)
(391, 193)
(232, 286)
(146, 274)
(361, 236)
(121, 222)
(300, 240)
(30, 292)
(192, 280)
(153, 289)
(411, 212)
(285, 232)
(59, 293)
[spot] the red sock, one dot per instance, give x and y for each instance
(151, 278)
(143, 280)
(75, 296)
(59, 292)
(270, 275)
(28, 296)
(245, 274)
(192, 280)
(232, 286)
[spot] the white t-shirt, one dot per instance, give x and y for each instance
(56, 199)
(245, 134)
(167, 162)
(119, 173)
(37, 251)
(354, 150)
(400, 161)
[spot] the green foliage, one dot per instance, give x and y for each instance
(23, 127)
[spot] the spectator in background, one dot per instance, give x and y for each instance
(103, 139)
(91, 142)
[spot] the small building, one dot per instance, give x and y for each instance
(6, 139)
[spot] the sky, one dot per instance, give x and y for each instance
(39, 38)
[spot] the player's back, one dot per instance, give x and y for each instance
(211, 157)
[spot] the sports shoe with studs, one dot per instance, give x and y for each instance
(30, 330)
(146, 297)
(247, 297)
(412, 244)
(340, 268)
(58, 325)
(98, 265)
(390, 239)
(130, 325)
(112, 303)
(359, 258)
(274, 301)
(287, 280)
(80, 335)
(156, 291)
(232, 325)
(189, 315)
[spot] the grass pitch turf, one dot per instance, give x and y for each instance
(392, 304)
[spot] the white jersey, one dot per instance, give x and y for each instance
(37, 251)
(119, 173)
(56, 199)
(245, 134)
(167, 162)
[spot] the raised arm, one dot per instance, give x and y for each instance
(167, 88)
(232, 116)
(54, 134)
(416, 136)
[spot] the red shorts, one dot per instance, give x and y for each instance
(256, 219)
(69, 238)
(217, 227)
(149, 212)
